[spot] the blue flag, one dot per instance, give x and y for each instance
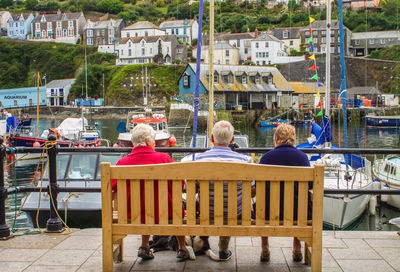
(312, 48)
(320, 85)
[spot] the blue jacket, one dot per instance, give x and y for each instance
(286, 155)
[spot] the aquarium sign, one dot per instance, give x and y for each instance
(15, 97)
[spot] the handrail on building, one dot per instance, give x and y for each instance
(54, 224)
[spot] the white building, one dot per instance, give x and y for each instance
(241, 41)
(184, 30)
(57, 91)
(4, 16)
(224, 53)
(147, 49)
(19, 26)
(141, 29)
(103, 34)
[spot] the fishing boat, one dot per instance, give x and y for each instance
(273, 123)
(387, 170)
(156, 120)
(382, 121)
(76, 209)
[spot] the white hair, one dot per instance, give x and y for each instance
(142, 132)
(223, 132)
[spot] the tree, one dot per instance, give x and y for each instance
(48, 5)
(111, 6)
(6, 3)
(31, 4)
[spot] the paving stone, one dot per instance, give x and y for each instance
(203, 263)
(16, 255)
(163, 260)
(80, 242)
(14, 266)
(251, 255)
(262, 267)
(256, 241)
(332, 242)
(87, 232)
(365, 266)
(356, 243)
(366, 234)
(287, 252)
(328, 260)
(391, 255)
(304, 268)
(354, 254)
(52, 268)
(243, 241)
(64, 257)
(331, 269)
(280, 242)
(384, 243)
(35, 241)
(94, 264)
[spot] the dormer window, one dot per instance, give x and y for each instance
(285, 34)
(129, 44)
(230, 79)
(244, 79)
(215, 78)
(186, 81)
(257, 79)
(146, 34)
(143, 43)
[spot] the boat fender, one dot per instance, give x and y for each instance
(376, 184)
(172, 140)
(116, 145)
(385, 198)
(36, 144)
(372, 205)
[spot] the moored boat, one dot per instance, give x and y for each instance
(273, 123)
(156, 120)
(382, 121)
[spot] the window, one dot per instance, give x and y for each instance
(266, 44)
(146, 34)
(89, 40)
(357, 42)
(371, 41)
(167, 50)
(129, 44)
(136, 34)
(151, 50)
(186, 81)
(285, 34)
(98, 32)
(323, 32)
(382, 41)
(184, 31)
(58, 24)
(180, 51)
(128, 35)
(172, 31)
(49, 25)
(246, 50)
(37, 34)
(15, 102)
(70, 24)
(323, 40)
(332, 39)
(49, 33)
(215, 78)
(110, 40)
(227, 61)
(71, 32)
(266, 54)
(258, 63)
(244, 80)
(256, 44)
(315, 33)
(291, 42)
(257, 78)
(143, 43)
(122, 52)
(37, 26)
(227, 53)
(143, 51)
(177, 31)
(306, 33)
(129, 52)
(315, 40)
(59, 33)
(102, 32)
(89, 33)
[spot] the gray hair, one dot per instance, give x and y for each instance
(142, 132)
(223, 132)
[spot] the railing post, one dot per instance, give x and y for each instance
(4, 228)
(54, 223)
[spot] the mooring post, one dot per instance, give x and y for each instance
(4, 228)
(54, 223)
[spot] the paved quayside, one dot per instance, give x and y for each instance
(81, 251)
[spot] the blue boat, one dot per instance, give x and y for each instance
(382, 121)
(273, 123)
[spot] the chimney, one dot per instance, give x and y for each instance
(256, 32)
(58, 11)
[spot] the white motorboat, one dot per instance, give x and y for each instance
(387, 170)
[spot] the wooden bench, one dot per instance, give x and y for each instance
(218, 172)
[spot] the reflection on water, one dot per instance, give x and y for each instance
(358, 137)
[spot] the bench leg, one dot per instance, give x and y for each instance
(120, 255)
(316, 254)
(306, 254)
(107, 252)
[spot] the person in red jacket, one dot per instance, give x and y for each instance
(143, 140)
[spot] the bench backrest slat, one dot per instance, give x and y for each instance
(232, 202)
(177, 202)
(289, 199)
(302, 202)
(246, 202)
(218, 202)
(191, 201)
(148, 200)
(274, 203)
(135, 201)
(163, 201)
(122, 209)
(260, 203)
(204, 202)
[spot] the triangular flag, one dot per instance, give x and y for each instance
(318, 93)
(320, 113)
(309, 40)
(311, 20)
(309, 30)
(313, 68)
(312, 48)
(315, 77)
(312, 57)
(320, 85)
(319, 104)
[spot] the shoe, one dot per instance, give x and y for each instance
(146, 253)
(187, 254)
(297, 256)
(225, 255)
(264, 256)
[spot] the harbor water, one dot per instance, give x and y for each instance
(359, 136)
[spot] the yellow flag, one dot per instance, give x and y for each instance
(318, 94)
(312, 57)
(311, 20)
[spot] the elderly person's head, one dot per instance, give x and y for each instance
(222, 133)
(143, 135)
(285, 134)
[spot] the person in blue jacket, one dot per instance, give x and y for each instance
(284, 153)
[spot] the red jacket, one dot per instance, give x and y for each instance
(145, 155)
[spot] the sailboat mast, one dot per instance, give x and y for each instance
(86, 74)
(328, 59)
(146, 88)
(37, 107)
(211, 77)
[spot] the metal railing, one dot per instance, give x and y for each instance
(54, 224)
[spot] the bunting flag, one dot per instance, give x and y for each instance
(319, 104)
(310, 40)
(315, 77)
(311, 20)
(318, 95)
(312, 57)
(309, 30)
(320, 113)
(313, 68)
(312, 48)
(320, 85)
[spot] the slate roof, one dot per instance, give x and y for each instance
(58, 17)
(103, 24)
(150, 39)
(293, 32)
(235, 36)
(16, 17)
(141, 25)
(176, 23)
(219, 46)
(60, 83)
(375, 35)
(363, 90)
(266, 37)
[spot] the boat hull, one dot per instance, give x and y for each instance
(382, 121)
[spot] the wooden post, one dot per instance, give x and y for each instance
(106, 213)
(318, 197)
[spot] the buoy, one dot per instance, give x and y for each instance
(36, 144)
(172, 140)
(372, 205)
(385, 198)
(116, 145)
(376, 184)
